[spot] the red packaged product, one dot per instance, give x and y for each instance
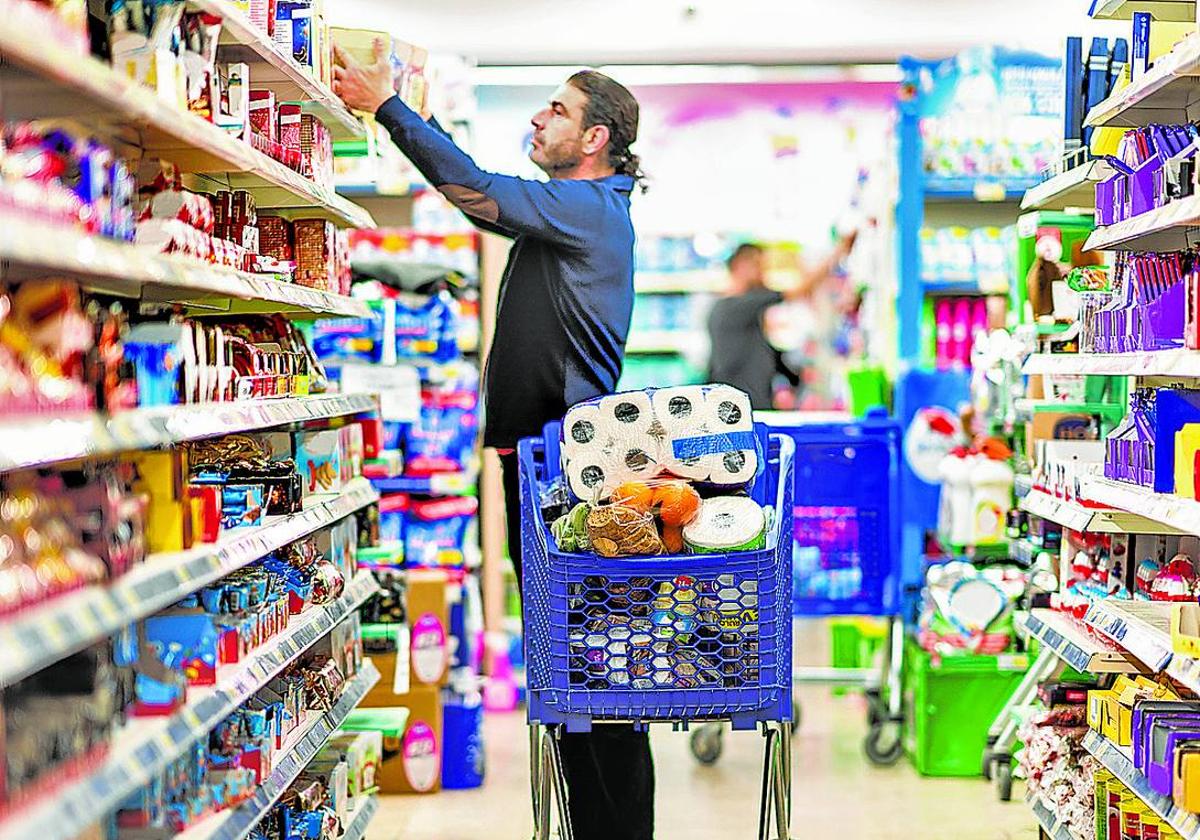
(289, 126)
(275, 237)
(262, 114)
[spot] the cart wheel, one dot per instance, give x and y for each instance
(796, 716)
(877, 710)
(987, 764)
(1004, 782)
(883, 748)
(707, 745)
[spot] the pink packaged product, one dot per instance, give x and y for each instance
(289, 126)
(171, 236)
(263, 114)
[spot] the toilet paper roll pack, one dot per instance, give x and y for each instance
(702, 433)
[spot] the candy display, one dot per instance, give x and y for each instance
(1053, 762)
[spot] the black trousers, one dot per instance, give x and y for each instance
(610, 772)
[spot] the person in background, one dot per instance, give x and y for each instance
(740, 354)
(566, 299)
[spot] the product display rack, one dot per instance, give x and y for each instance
(439, 484)
(1048, 820)
(71, 437)
(46, 633)
(1181, 362)
(679, 282)
(1098, 520)
(1166, 93)
(1074, 188)
(1172, 10)
(1172, 227)
(62, 83)
(236, 823)
(364, 810)
(122, 268)
(1140, 627)
(664, 341)
(1118, 762)
(147, 745)
(272, 70)
(1071, 643)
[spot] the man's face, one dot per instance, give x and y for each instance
(750, 269)
(558, 131)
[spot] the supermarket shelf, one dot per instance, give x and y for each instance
(1182, 11)
(441, 484)
(1172, 227)
(1179, 362)
(1141, 627)
(1074, 188)
(147, 745)
(271, 70)
(1071, 643)
(122, 268)
(1048, 820)
(1168, 93)
(1026, 408)
(983, 190)
(1118, 761)
(663, 341)
(679, 282)
(363, 812)
(302, 748)
(38, 440)
(1171, 511)
(45, 634)
(1096, 520)
(59, 82)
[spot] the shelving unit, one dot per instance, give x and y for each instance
(272, 70)
(1119, 762)
(50, 440)
(1180, 362)
(1172, 10)
(147, 745)
(1097, 520)
(664, 341)
(362, 814)
(59, 82)
(122, 268)
(1075, 646)
(441, 484)
(1141, 627)
(1175, 512)
(236, 823)
(1172, 227)
(46, 633)
(679, 282)
(1168, 93)
(1074, 188)
(1048, 820)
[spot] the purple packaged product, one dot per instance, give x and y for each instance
(1161, 763)
(436, 531)
(1148, 711)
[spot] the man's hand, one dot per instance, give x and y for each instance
(363, 88)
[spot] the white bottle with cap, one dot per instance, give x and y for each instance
(954, 514)
(991, 497)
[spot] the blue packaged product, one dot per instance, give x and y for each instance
(350, 339)
(293, 30)
(393, 509)
(436, 531)
(442, 440)
(462, 741)
(428, 331)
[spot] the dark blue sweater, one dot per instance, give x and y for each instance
(567, 293)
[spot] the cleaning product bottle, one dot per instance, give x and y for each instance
(954, 514)
(943, 314)
(991, 484)
(500, 690)
(961, 334)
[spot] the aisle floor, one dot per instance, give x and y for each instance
(837, 792)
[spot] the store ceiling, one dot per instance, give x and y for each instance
(711, 31)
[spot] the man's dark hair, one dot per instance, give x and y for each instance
(743, 250)
(609, 103)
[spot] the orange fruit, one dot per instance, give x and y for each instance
(672, 537)
(634, 494)
(678, 503)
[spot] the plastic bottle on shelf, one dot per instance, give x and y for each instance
(943, 314)
(954, 515)
(961, 335)
(991, 485)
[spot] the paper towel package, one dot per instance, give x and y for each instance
(703, 433)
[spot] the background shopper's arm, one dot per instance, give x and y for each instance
(561, 211)
(813, 276)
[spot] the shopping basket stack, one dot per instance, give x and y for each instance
(672, 639)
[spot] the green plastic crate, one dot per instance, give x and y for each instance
(950, 704)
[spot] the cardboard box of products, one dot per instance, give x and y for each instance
(412, 761)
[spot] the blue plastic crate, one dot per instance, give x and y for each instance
(846, 515)
(646, 639)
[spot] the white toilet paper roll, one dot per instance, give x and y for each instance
(629, 414)
(735, 467)
(592, 478)
(677, 405)
(634, 457)
(680, 414)
(582, 431)
(728, 409)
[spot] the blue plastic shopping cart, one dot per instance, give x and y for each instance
(675, 639)
(846, 538)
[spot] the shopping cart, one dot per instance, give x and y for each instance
(846, 527)
(643, 640)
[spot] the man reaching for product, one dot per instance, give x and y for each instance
(565, 305)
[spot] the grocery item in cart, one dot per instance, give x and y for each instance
(702, 433)
(727, 523)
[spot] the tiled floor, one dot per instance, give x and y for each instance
(837, 793)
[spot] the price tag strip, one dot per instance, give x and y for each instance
(237, 823)
(146, 745)
(1048, 819)
(45, 634)
(1071, 643)
(1141, 627)
(1117, 762)
(363, 811)
(24, 445)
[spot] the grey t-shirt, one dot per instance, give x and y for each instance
(740, 355)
